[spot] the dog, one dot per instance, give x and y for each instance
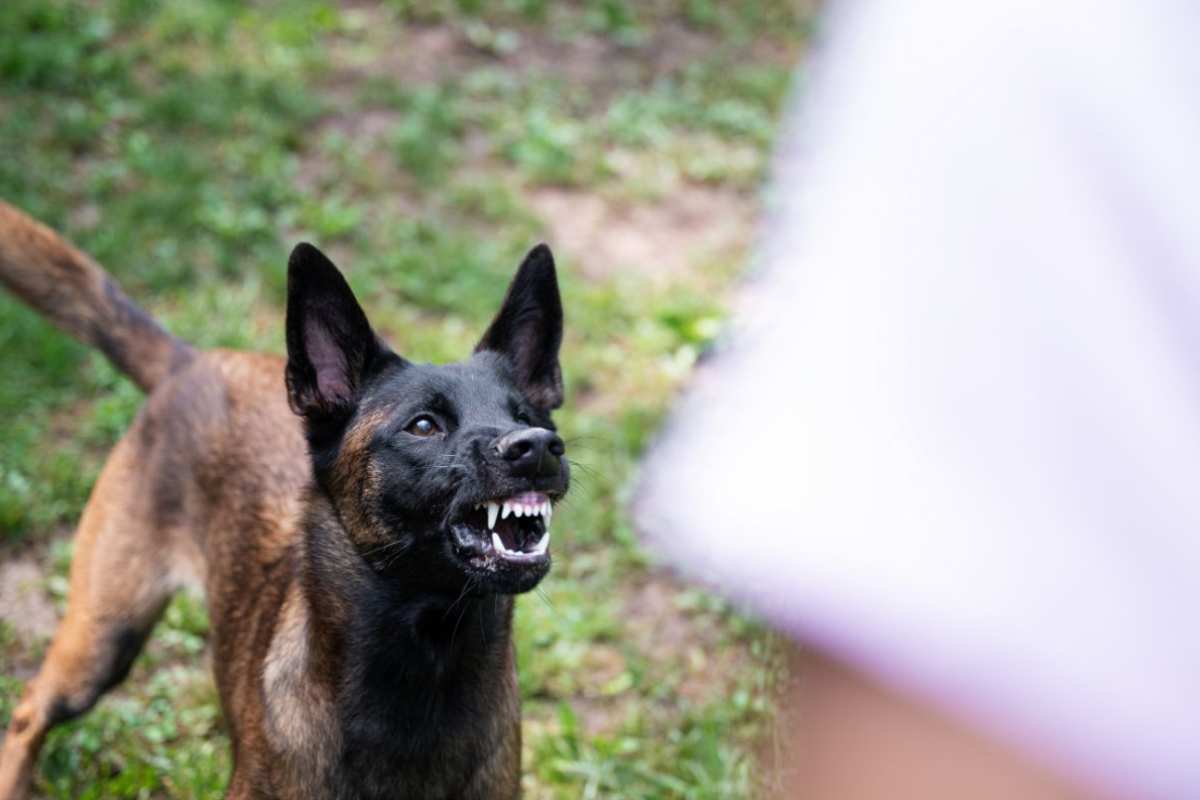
(360, 524)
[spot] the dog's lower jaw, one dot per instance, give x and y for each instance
(403, 694)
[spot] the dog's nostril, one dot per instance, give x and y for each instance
(557, 447)
(518, 450)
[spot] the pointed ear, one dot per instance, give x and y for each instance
(330, 343)
(528, 330)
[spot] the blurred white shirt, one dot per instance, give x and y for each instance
(956, 437)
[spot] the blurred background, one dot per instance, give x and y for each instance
(425, 146)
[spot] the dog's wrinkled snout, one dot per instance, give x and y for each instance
(532, 452)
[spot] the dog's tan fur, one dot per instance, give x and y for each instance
(209, 483)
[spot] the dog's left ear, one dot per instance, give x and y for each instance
(528, 330)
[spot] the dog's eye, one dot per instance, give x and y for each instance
(424, 425)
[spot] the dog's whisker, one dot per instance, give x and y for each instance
(397, 556)
(583, 481)
(461, 595)
(482, 628)
(585, 441)
(541, 593)
(469, 584)
(383, 547)
(588, 470)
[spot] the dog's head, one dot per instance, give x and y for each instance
(446, 474)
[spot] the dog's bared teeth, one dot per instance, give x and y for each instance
(538, 549)
(505, 510)
(493, 511)
(547, 512)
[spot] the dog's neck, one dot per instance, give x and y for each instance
(418, 683)
(409, 668)
(360, 615)
(373, 689)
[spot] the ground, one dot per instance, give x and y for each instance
(425, 145)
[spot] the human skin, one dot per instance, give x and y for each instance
(843, 735)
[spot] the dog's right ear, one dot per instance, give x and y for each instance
(331, 346)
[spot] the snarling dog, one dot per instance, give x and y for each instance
(359, 523)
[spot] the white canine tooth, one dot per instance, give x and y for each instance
(493, 512)
(497, 544)
(542, 544)
(546, 511)
(504, 512)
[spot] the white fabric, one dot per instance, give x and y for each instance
(956, 439)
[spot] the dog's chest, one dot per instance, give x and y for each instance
(453, 740)
(392, 731)
(456, 748)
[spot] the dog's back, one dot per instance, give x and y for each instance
(209, 416)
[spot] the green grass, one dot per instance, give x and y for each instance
(188, 144)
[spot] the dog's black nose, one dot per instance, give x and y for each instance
(532, 452)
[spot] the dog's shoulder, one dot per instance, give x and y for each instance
(298, 713)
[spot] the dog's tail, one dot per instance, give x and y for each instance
(77, 295)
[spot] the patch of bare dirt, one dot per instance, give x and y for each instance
(24, 602)
(598, 713)
(377, 44)
(599, 716)
(602, 64)
(668, 237)
(668, 634)
(366, 125)
(28, 609)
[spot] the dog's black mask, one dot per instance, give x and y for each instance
(448, 474)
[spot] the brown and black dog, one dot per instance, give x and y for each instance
(359, 524)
